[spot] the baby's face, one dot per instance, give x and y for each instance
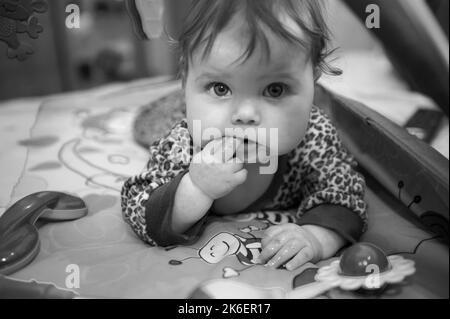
(255, 94)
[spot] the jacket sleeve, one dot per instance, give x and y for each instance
(147, 199)
(331, 188)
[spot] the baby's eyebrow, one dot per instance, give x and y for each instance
(284, 75)
(213, 75)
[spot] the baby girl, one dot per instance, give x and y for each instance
(251, 66)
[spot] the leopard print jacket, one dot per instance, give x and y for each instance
(319, 171)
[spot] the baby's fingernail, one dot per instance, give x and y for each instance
(288, 267)
(270, 263)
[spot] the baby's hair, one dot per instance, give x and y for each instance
(207, 18)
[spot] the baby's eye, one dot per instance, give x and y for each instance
(275, 90)
(219, 89)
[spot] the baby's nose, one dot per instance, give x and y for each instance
(246, 115)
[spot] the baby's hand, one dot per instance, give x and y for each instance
(215, 170)
(289, 244)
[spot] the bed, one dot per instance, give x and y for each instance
(82, 143)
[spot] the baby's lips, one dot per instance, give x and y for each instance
(217, 143)
(252, 152)
(226, 140)
(237, 141)
(232, 143)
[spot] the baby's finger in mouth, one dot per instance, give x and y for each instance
(227, 148)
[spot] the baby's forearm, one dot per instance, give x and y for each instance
(190, 205)
(330, 241)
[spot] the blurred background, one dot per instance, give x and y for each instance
(105, 49)
(399, 68)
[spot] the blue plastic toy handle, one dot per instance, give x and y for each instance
(19, 238)
(27, 210)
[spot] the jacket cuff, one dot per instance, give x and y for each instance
(158, 216)
(337, 218)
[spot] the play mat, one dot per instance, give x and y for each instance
(83, 144)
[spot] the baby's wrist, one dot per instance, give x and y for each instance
(197, 189)
(330, 241)
(316, 240)
(186, 211)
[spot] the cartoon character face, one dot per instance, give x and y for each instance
(222, 245)
(219, 247)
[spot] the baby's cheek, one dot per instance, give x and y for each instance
(292, 133)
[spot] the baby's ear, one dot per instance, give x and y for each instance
(317, 73)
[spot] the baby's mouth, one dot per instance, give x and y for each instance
(248, 151)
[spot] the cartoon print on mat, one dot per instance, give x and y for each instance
(268, 218)
(86, 156)
(245, 249)
(72, 158)
(226, 244)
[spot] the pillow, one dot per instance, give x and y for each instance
(155, 119)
